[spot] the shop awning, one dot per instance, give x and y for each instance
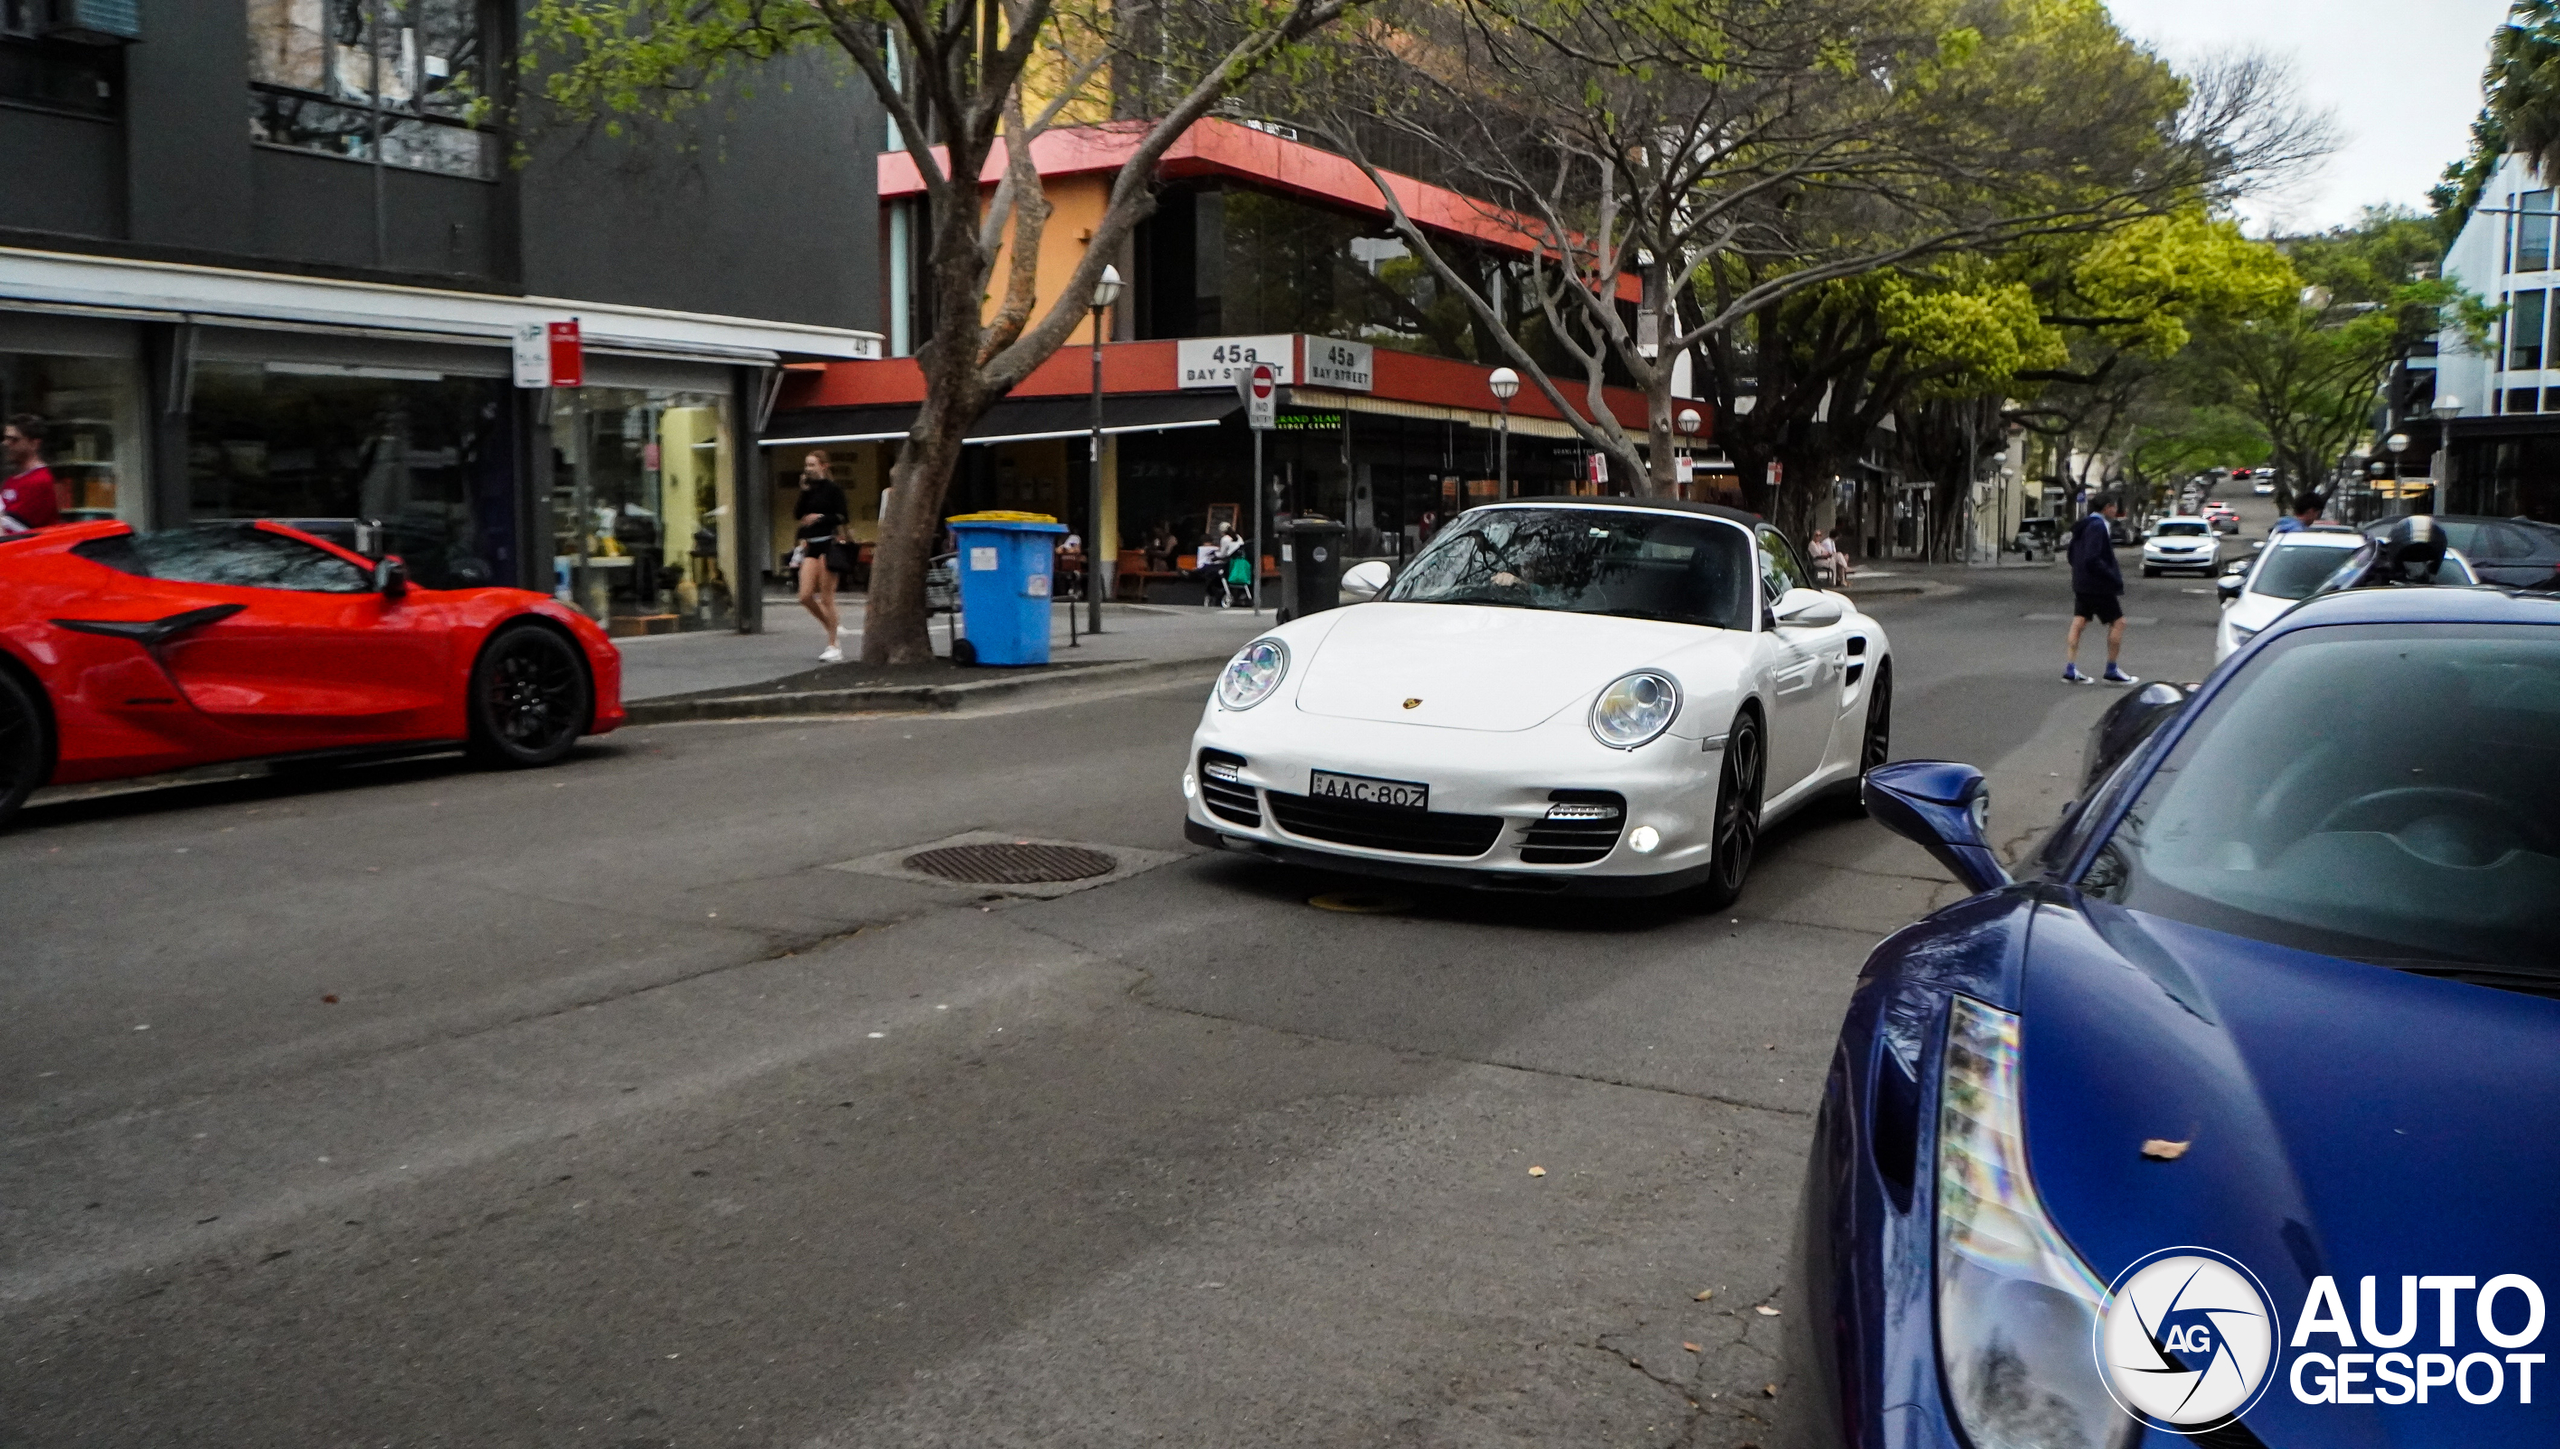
(1014, 420)
(119, 287)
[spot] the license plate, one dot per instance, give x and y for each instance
(1401, 794)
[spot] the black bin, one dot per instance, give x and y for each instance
(1310, 567)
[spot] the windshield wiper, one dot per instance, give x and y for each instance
(2503, 978)
(1635, 613)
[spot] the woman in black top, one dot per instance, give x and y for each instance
(820, 509)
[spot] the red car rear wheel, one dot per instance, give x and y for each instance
(25, 752)
(529, 697)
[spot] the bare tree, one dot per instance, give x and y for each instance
(1729, 156)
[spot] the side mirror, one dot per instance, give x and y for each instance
(1807, 609)
(390, 578)
(2132, 719)
(1365, 581)
(1942, 807)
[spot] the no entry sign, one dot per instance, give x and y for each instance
(1261, 389)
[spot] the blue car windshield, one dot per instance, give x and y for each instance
(2385, 793)
(1629, 563)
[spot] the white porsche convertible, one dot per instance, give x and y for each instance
(1602, 696)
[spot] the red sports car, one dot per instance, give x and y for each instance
(125, 653)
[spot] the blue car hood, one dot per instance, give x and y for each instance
(2342, 1119)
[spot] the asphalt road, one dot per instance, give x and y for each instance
(411, 1105)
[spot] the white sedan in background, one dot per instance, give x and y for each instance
(2288, 570)
(2185, 542)
(1603, 696)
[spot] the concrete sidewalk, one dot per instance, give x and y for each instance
(668, 664)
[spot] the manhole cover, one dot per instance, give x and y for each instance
(1015, 864)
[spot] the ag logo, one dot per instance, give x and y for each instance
(2188, 1340)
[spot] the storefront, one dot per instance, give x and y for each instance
(391, 418)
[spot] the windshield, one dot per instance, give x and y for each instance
(1589, 561)
(2189, 529)
(2293, 572)
(2387, 794)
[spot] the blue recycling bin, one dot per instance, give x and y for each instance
(1004, 567)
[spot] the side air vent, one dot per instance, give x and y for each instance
(1223, 790)
(1580, 826)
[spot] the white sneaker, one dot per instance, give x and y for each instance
(831, 655)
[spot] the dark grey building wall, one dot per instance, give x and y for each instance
(760, 203)
(66, 173)
(321, 209)
(186, 103)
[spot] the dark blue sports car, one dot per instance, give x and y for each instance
(2238, 1117)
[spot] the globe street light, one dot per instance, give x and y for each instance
(1106, 291)
(1688, 422)
(1505, 383)
(2395, 445)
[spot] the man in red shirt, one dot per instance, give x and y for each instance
(27, 495)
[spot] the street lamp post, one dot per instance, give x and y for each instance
(2395, 445)
(1504, 383)
(1105, 292)
(2447, 408)
(1688, 421)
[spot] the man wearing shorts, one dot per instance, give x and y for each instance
(2097, 592)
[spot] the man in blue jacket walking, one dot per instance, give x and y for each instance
(2097, 592)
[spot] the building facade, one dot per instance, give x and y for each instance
(1262, 249)
(2499, 454)
(273, 258)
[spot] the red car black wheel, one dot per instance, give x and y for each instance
(529, 697)
(24, 752)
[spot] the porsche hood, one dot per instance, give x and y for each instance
(2340, 1120)
(1480, 667)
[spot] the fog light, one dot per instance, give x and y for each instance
(1643, 839)
(1190, 787)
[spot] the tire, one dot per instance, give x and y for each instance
(2150, 573)
(963, 653)
(26, 746)
(530, 699)
(1875, 743)
(1737, 819)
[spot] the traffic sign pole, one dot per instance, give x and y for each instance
(1260, 388)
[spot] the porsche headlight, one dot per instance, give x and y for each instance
(2017, 1309)
(1634, 710)
(2240, 637)
(1253, 674)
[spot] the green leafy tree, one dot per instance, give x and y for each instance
(964, 81)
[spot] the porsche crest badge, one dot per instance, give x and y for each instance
(1413, 704)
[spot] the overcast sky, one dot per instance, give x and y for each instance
(2400, 77)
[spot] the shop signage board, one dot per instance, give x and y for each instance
(1308, 423)
(550, 354)
(1261, 389)
(1210, 362)
(1337, 364)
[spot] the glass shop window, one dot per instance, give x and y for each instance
(425, 459)
(394, 79)
(93, 428)
(644, 522)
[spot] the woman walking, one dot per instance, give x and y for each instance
(820, 509)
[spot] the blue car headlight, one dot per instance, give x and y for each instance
(2017, 1309)
(1256, 670)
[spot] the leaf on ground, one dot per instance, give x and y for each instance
(1537, 1172)
(1765, 1311)
(1693, 1348)
(1703, 1294)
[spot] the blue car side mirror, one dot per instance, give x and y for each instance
(1943, 808)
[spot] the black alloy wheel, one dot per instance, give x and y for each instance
(1737, 827)
(25, 754)
(1875, 746)
(528, 698)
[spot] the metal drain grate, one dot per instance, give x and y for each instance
(1020, 863)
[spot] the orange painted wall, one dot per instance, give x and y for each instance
(1076, 206)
